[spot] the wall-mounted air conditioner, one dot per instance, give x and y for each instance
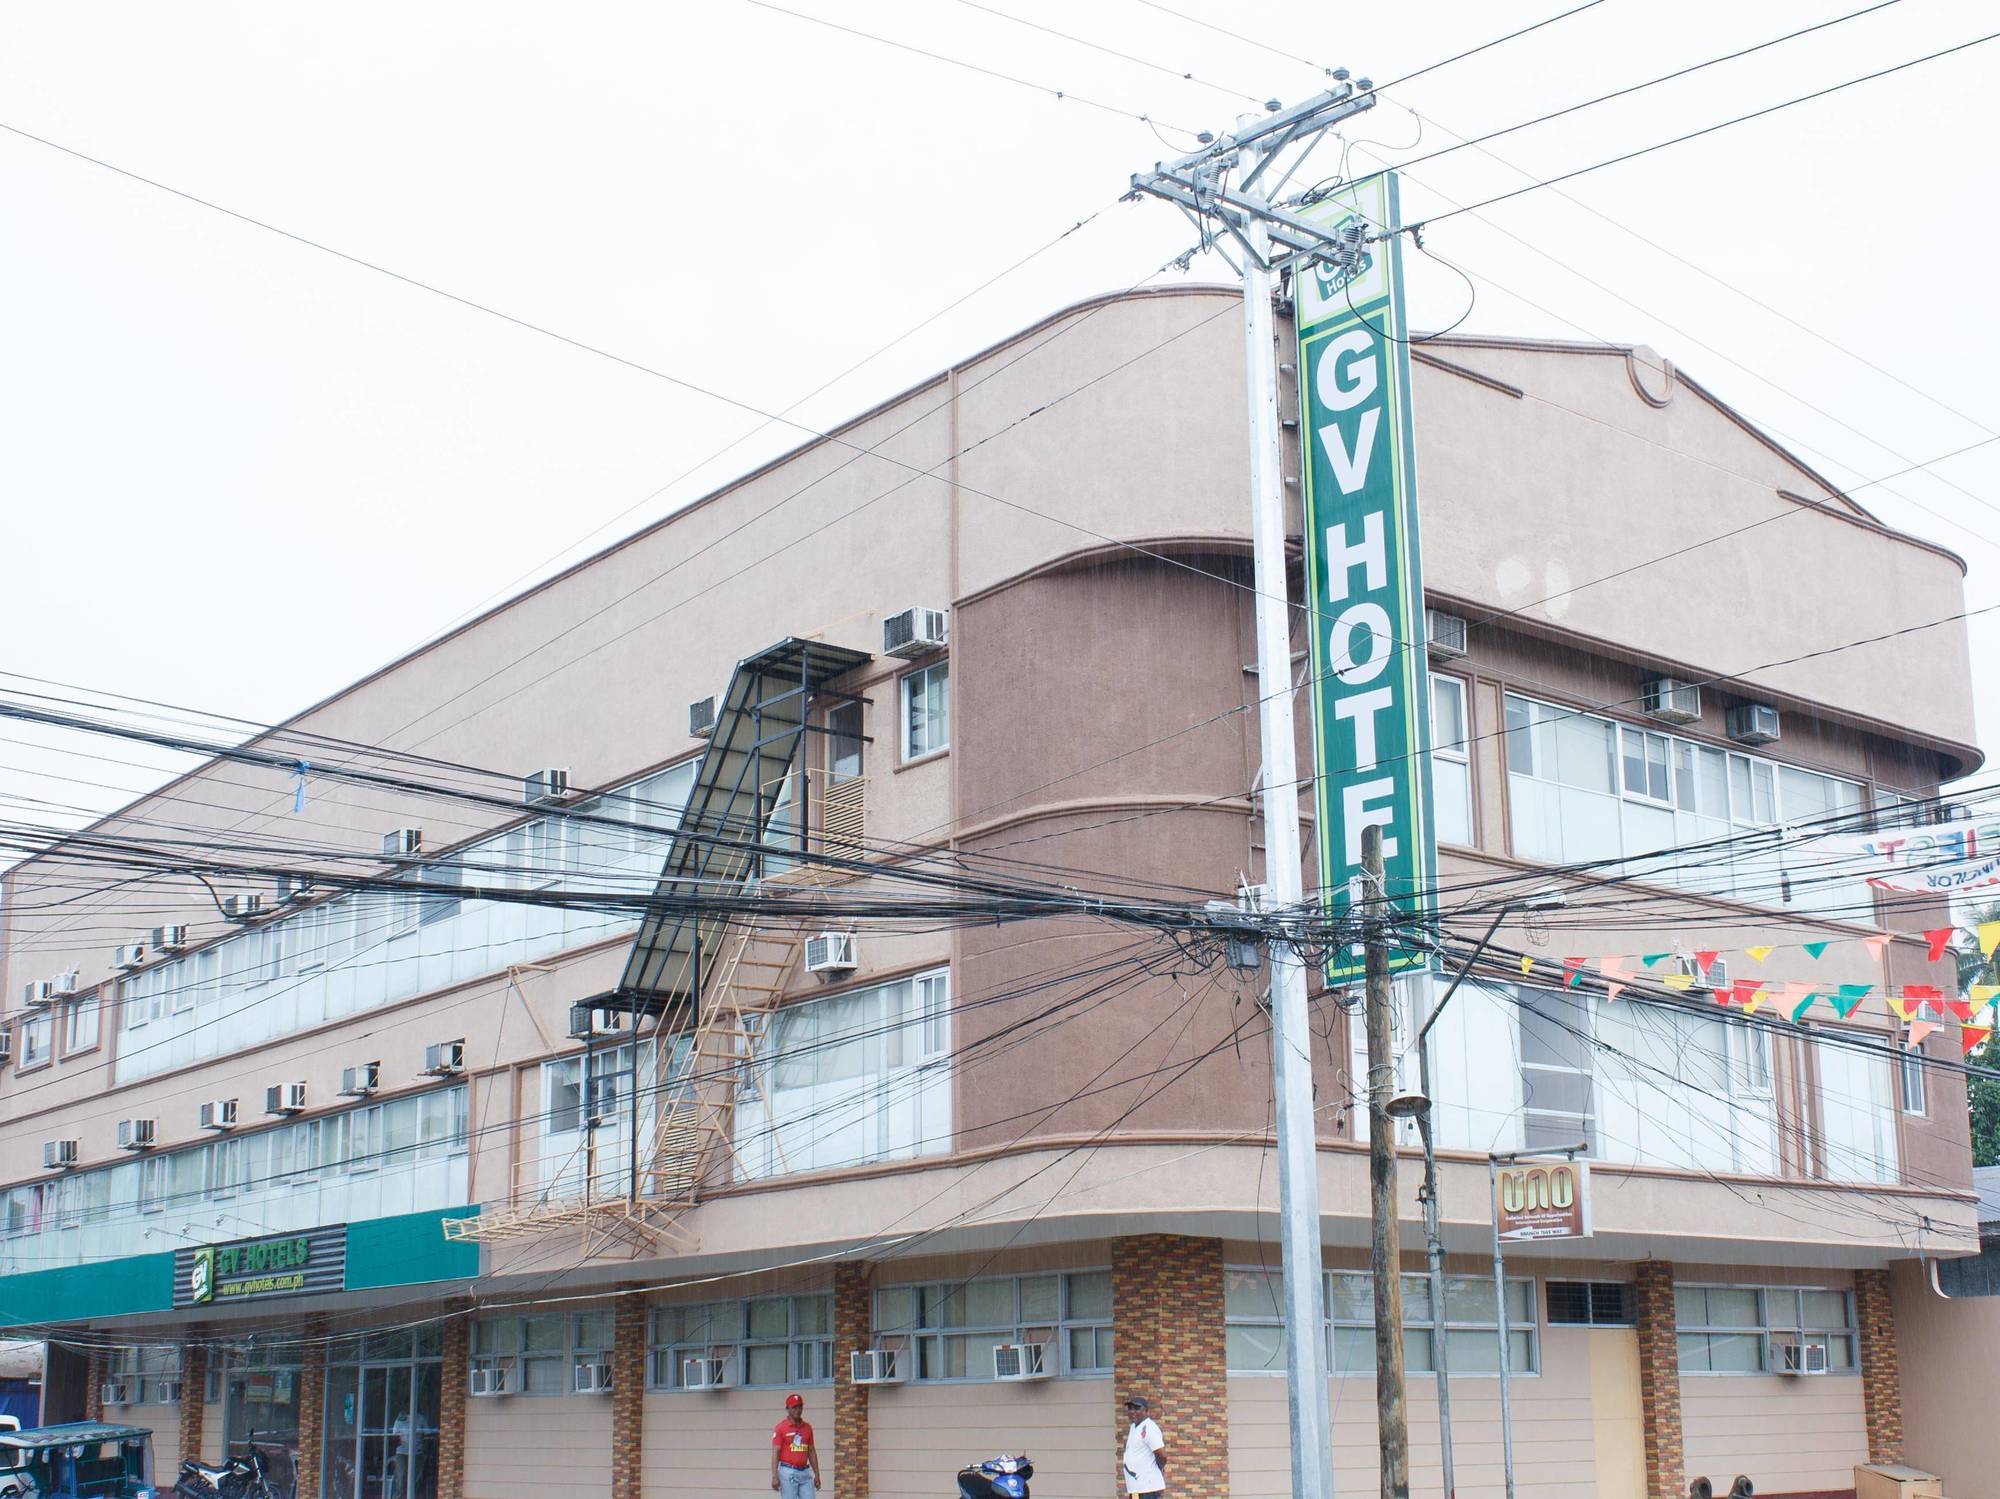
(6, 1046)
(547, 788)
(445, 1058)
(360, 1080)
(830, 954)
(707, 1373)
(60, 1155)
(914, 632)
(169, 938)
(1017, 1362)
(875, 1366)
(593, 1379)
(64, 985)
(403, 843)
(1670, 700)
(285, 1098)
(1444, 633)
(1801, 1358)
(114, 1392)
(129, 957)
(138, 1134)
(38, 993)
(1716, 977)
(701, 717)
(491, 1377)
(169, 1391)
(1754, 723)
(290, 889)
(587, 1020)
(242, 907)
(219, 1113)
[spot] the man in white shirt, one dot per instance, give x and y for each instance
(1145, 1452)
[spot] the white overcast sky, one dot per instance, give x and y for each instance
(239, 473)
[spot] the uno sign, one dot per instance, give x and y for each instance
(1544, 1200)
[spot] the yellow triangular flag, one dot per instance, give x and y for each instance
(1678, 980)
(1527, 964)
(1758, 954)
(1989, 937)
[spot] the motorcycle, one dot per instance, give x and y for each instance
(247, 1476)
(1000, 1477)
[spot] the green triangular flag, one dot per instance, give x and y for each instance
(1649, 959)
(1816, 949)
(1799, 1009)
(1849, 999)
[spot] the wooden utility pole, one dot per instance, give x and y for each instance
(1385, 1259)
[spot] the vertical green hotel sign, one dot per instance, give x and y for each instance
(1370, 685)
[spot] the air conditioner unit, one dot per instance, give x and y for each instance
(1670, 700)
(170, 1391)
(587, 1020)
(62, 986)
(138, 1134)
(1021, 1361)
(701, 717)
(593, 1379)
(403, 843)
(38, 993)
(875, 1366)
(709, 1373)
(219, 1113)
(360, 1080)
(830, 953)
(169, 938)
(491, 1377)
(132, 955)
(1801, 1358)
(59, 1155)
(6, 1046)
(546, 788)
(114, 1392)
(445, 1058)
(242, 907)
(291, 888)
(1753, 723)
(1717, 977)
(1444, 633)
(914, 632)
(285, 1098)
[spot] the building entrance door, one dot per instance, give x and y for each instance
(381, 1427)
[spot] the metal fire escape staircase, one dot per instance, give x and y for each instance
(707, 980)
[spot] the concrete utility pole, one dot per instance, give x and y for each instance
(1201, 185)
(1385, 1255)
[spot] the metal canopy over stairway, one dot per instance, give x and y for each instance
(719, 843)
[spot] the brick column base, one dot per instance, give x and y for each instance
(628, 1393)
(93, 1388)
(1659, 1380)
(312, 1409)
(1168, 1345)
(451, 1403)
(1881, 1380)
(194, 1391)
(853, 1329)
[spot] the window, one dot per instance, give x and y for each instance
(539, 1344)
(1591, 1303)
(843, 741)
(1857, 1133)
(1910, 1079)
(766, 1343)
(1558, 1082)
(1255, 1329)
(1451, 765)
(927, 711)
(954, 1327)
(590, 1339)
(152, 1183)
(1746, 1329)
(80, 1025)
(36, 1031)
(680, 1333)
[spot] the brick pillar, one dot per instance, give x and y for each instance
(93, 1388)
(1881, 1381)
(1659, 1380)
(853, 1329)
(312, 1409)
(1166, 1294)
(452, 1371)
(194, 1391)
(628, 1394)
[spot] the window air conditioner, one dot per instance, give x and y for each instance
(242, 907)
(6, 1046)
(490, 1377)
(360, 1080)
(710, 1373)
(285, 1098)
(290, 889)
(1021, 1361)
(114, 1392)
(402, 843)
(170, 1392)
(1717, 977)
(445, 1058)
(1444, 633)
(914, 632)
(63, 985)
(1802, 1358)
(39, 993)
(875, 1366)
(593, 1379)
(701, 717)
(58, 1155)
(137, 1134)
(219, 1113)
(830, 953)
(1753, 723)
(587, 1020)
(169, 938)
(132, 955)
(546, 787)
(1670, 700)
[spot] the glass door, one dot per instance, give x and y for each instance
(381, 1424)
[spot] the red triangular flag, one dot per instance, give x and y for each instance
(1706, 960)
(1573, 971)
(1972, 1037)
(1939, 939)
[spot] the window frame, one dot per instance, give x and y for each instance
(1459, 753)
(1430, 1325)
(73, 1011)
(906, 687)
(1770, 1332)
(1912, 1086)
(37, 1048)
(1056, 1331)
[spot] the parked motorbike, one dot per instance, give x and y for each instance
(1000, 1477)
(247, 1476)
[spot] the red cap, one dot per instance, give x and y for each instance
(795, 1399)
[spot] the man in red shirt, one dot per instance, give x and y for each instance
(794, 1458)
